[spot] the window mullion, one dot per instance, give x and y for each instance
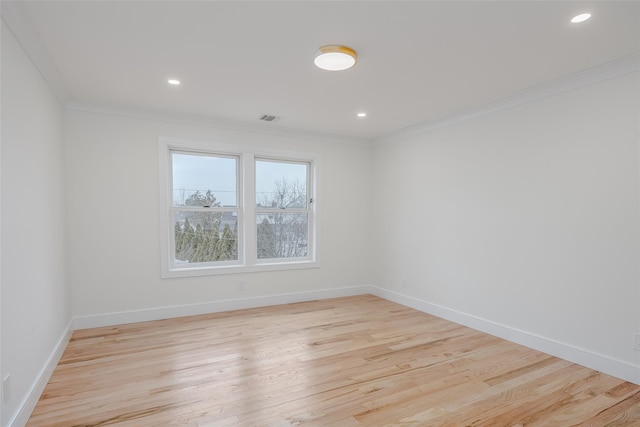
(249, 208)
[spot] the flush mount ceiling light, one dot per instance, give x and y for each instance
(173, 82)
(335, 58)
(580, 18)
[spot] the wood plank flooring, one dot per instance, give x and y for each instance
(356, 361)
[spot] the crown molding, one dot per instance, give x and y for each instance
(15, 16)
(589, 76)
(190, 119)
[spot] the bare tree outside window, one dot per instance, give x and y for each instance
(282, 217)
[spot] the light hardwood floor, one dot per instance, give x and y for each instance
(356, 361)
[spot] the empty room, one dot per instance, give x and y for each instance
(320, 213)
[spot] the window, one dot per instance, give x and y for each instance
(282, 209)
(228, 211)
(204, 209)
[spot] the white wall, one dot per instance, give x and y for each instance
(114, 220)
(36, 308)
(527, 217)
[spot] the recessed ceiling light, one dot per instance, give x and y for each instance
(580, 18)
(335, 58)
(362, 114)
(173, 82)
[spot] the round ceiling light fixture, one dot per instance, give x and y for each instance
(335, 58)
(580, 18)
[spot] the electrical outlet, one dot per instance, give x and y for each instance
(241, 285)
(6, 388)
(636, 342)
(404, 283)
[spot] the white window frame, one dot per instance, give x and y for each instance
(247, 247)
(308, 210)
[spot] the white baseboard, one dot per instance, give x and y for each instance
(580, 356)
(599, 362)
(111, 319)
(29, 402)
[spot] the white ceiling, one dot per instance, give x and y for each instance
(418, 61)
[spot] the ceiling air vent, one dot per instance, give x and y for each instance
(269, 118)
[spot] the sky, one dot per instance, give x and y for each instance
(193, 172)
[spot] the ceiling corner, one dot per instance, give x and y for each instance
(15, 17)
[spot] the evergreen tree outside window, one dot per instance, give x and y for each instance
(205, 208)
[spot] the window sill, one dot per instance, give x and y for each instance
(238, 269)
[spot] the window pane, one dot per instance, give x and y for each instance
(205, 236)
(282, 235)
(281, 185)
(202, 180)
